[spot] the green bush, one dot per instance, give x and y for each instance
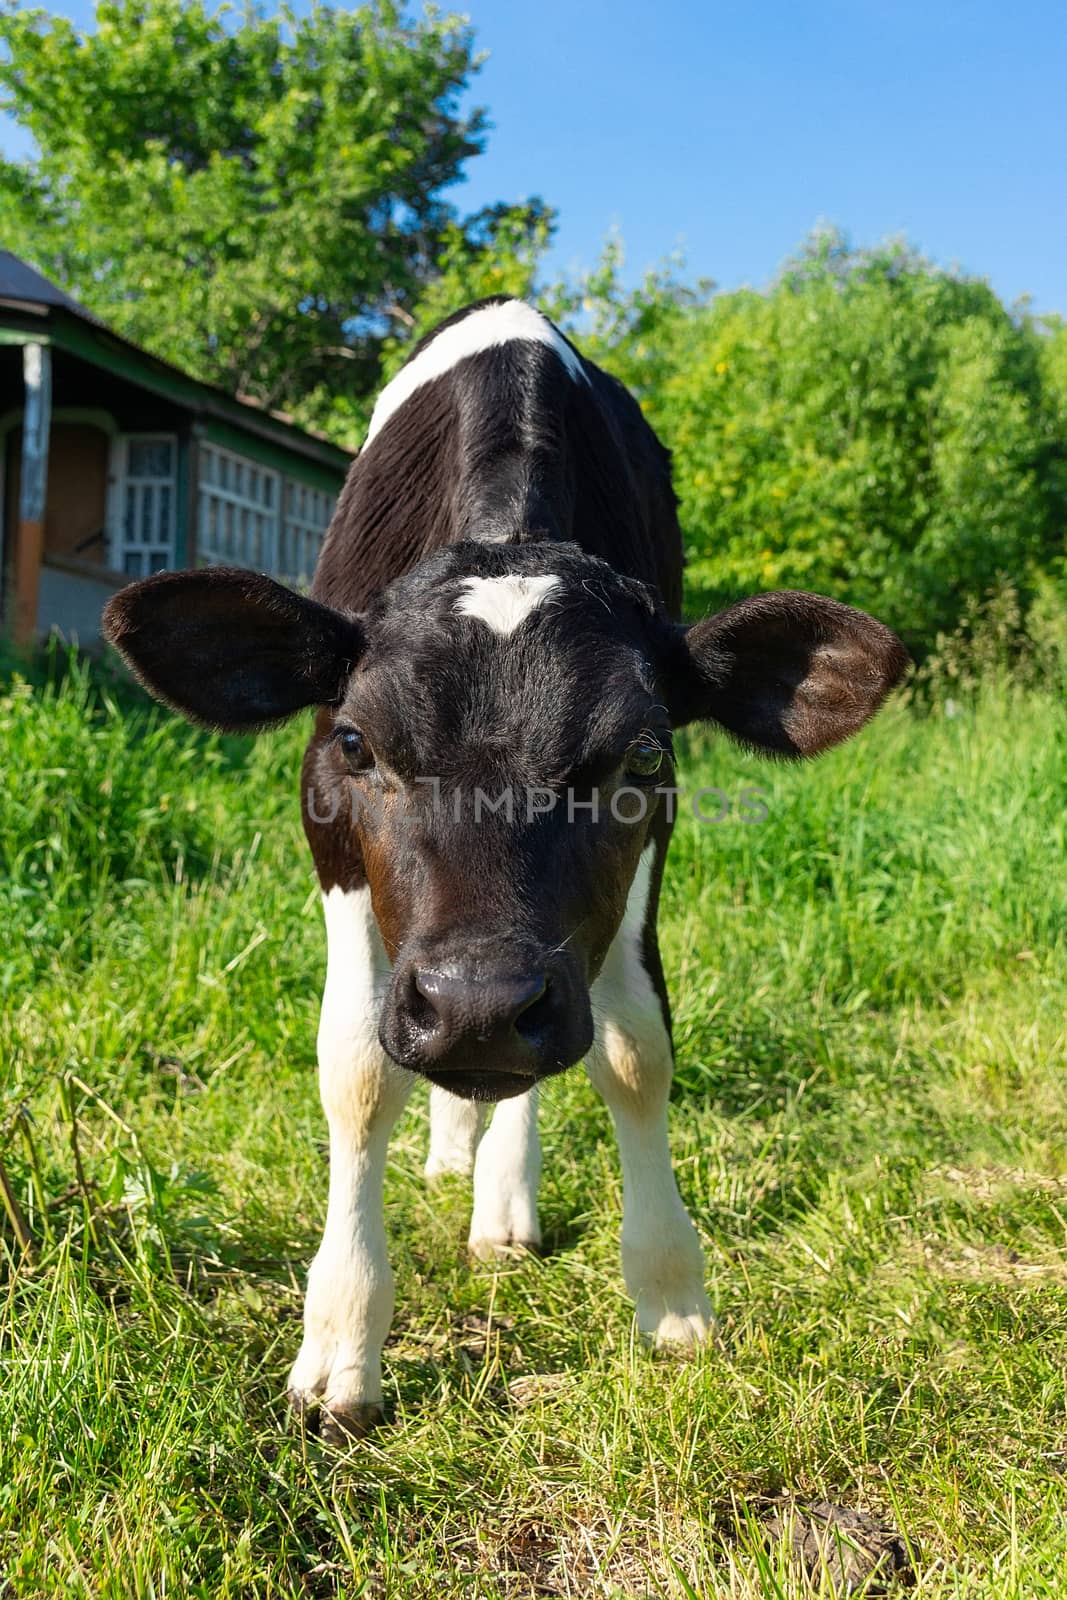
(872, 427)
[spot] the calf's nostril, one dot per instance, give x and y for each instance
(527, 993)
(534, 1013)
(420, 1001)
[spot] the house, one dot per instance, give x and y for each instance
(115, 464)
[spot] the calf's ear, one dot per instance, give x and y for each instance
(231, 649)
(789, 673)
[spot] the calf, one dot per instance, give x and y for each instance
(492, 647)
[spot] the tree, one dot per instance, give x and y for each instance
(871, 427)
(496, 252)
(259, 200)
(1050, 334)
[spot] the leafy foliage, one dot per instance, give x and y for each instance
(253, 199)
(871, 427)
(504, 260)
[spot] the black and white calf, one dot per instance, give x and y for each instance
(492, 647)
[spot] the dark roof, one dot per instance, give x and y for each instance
(19, 281)
(24, 290)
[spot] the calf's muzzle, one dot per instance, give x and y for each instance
(485, 1027)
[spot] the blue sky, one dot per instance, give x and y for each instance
(730, 130)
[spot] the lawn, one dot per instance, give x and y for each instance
(870, 1129)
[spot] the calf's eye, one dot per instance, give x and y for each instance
(354, 749)
(644, 759)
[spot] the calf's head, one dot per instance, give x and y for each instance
(492, 755)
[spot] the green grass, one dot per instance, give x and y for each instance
(870, 1127)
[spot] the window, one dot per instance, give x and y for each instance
(144, 541)
(250, 516)
(307, 516)
(237, 522)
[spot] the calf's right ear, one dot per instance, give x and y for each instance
(231, 649)
(789, 674)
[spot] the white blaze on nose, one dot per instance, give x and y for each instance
(504, 603)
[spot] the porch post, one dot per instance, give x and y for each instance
(29, 543)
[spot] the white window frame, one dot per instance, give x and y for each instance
(233, 510)
(306, 515)
(123, 542)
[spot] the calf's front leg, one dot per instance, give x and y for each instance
(349, 1302)
(455, 1128)
(507, 1174)
(631, 1065)
(505, 1160)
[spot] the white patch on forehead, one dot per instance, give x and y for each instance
(482, 330)
(504, 603)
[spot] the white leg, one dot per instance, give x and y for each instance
(455, 1128)
(349, 1301)
(507, 1172)
(631, 1066)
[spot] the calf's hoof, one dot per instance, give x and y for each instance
(676, 1319)
(336, 1423)
(483, 1249)
(340, 1425)
(683, 1333)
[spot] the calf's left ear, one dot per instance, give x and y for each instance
(231, 649)
(789, 673)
